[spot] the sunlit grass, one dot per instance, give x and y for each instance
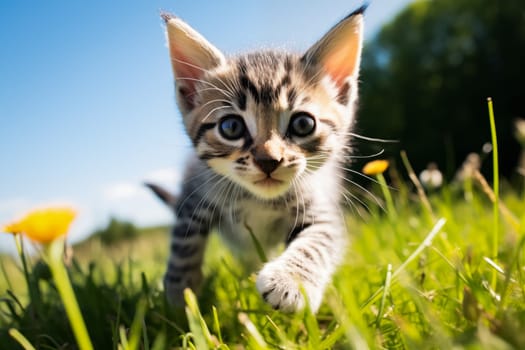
(437, 294)
(446, 271)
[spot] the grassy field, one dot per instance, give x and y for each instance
(408, 282)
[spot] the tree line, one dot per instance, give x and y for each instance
(426, 75)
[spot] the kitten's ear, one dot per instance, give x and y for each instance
(191, 56)
(339, 51)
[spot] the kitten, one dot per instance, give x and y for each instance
(270, 131)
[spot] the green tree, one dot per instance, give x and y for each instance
(427, 74)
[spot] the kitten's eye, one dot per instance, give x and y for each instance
(302, 124)
(232, 127)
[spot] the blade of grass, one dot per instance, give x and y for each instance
(255, 339)
(123, 338)
(115, 330)
(495, 174)
(343, 306)
(198, 327)
(17, 301)
(426, 243)
(6, 276)
(54, 256)
(136, 325)
(145, 343)
(216, 323)
(386, 290)
(493, 264)
(392, 213)
(332, 338)
(508, 276)
(160, 341)
(19, 241)
(420, 190)
(19, 337)
(451, 264)
(507, 214)
(258, 246)
(310, 323)
(285, 342)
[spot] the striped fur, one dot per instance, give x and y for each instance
(270, 132)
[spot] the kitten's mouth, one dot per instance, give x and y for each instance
(268, 187)
(268, 181)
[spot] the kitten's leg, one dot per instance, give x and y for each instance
(188, 241)
(308, 262)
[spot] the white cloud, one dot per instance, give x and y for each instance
(121, 191)
(133, 201)
(167, 177)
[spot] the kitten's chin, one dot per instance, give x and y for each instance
(268, 188)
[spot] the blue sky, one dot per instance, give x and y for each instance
(86, 95)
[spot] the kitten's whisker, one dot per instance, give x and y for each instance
(181, 205)
(376, 200)
(205, 172)
(203, 201)
(213, 110)
(309, 185)
(308, 83)
(227, 88)
(216, 101)
(226, 194)
(206, 71)
(365, 176)
(190, 65)
(230, 86)
(345, 192)
(316, 162)
(235, 197)
(373, 139)
(197, 91)
(218, 196)
(294, 185)
(303, 202)
(225, 92)
(367, 156)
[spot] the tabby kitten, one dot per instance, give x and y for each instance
(270, 130)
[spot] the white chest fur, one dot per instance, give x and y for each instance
(269, 224)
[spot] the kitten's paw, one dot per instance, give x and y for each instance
(281, 288)
(174, 286)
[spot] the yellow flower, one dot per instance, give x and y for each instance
(43, 225)
(13, 228)
(375, 167)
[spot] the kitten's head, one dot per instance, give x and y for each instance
(266, 119)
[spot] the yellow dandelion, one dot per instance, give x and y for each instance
(13, 228)
(375, 167)
(43, 225)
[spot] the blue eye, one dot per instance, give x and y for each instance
(232, 127)
(302, 124)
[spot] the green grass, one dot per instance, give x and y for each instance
(435, 295)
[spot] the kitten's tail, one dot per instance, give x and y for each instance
(163, 194)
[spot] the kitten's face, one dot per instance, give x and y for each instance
(264, 120)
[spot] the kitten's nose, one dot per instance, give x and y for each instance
(266, 164)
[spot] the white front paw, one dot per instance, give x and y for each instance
(281, 288)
